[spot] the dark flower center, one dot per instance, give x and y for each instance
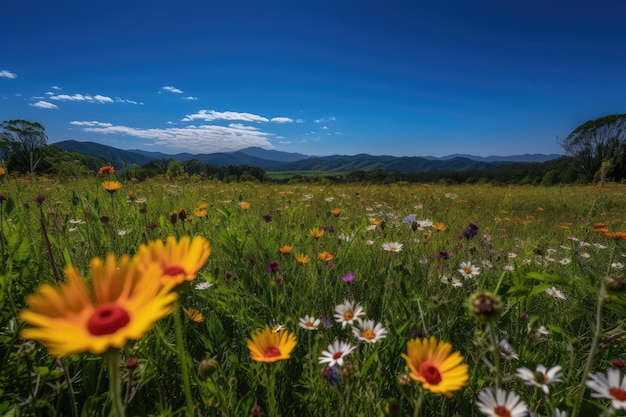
(502, 411)
(618, 394)
(430, 373)
(107, 319)
(337, 355)
(272, 352)
(173, 270)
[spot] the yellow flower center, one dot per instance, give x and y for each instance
(107, 319)
(468, 270)
(368, 334)
(348, 315)
(430, 373)
(271, 352)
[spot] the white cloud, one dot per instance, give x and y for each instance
(190, 98)
(56, 87)
(92, 123)
(209, 115)
(123, 100)
(44, 105)
(324, 127)
(79, 97)
(195, 139)
(172, 89)
(7, 74)
(281, 120)
(325, 119)
(285, 142)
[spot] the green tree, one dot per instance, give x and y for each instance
(21, 143)
(597, 141)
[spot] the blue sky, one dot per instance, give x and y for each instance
(404, 78)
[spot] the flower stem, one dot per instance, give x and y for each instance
(272, 410)
(180, 344)
(115, 388)
(496, 355)
(597, 334)
(417, 410)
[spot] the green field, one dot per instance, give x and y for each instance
(510, 277)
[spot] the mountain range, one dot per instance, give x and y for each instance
(271, 160)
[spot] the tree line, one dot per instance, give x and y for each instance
(594, 152)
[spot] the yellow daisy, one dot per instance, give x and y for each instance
(178, 261)
(269, 346)
(285, 250)
(124, 305)
(431, 362)
(111, 186)
(301, 258)
(316, 232)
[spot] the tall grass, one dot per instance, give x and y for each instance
(529, 241)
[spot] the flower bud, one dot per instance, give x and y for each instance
(484, 305)
(208, 367)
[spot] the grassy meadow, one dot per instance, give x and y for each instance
(510, 277)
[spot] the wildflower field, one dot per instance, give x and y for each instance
(185, 297)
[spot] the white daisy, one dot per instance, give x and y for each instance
(203, 286)
(335, 353)
(468, 270)
(540, 377)
(501, 403)
(366, 331)
(347, 312)
(392, 246)
(554, 292)
(506, 350)
(611, 386)
(309, 322)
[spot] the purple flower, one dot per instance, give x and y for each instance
(3, 198)
(327, 322)
(421, 334)
(409, 219)
(331, 375)
(444, 255)
(272, 267)
(470, 231)
(267, 218)
(348, 278)
(40, 199)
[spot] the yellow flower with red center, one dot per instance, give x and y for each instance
(301, 258)
(433, 363)
(285, 250)
(316, 232)
(335, 212)
(178, 261)
(111, 186)
(326, 256)
(125, 304)
(269, 346)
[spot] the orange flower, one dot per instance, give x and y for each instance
(375, 222)
(244, 205)
(316, 232)
(109, 169)
(195, 315)
(335, 212)
(439, 226)
(301, 258)
(326, 256)
(285, 250)
(199, 212)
